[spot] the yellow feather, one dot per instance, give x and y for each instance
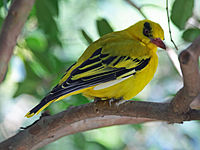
(127, 49)
(28, 115)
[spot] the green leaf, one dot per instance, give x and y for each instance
(60, 70)
(91, 145)
(137, 126)
(36, 43)
(46, 61)
(1, 3)
(86, 36)
(181, 12)
(136, 99)
(1, 21)
(30, 74)
(48, 6)
(53, 7)
(191, 34)
(46, 10)
(32, 13)
(76, 100)
(4, 3)
(29, 85)
(103, 27)
(58, 107)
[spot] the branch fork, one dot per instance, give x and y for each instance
(189, 61)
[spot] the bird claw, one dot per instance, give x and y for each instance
(121, 101)
(117, 101)
(97, 99)
(110, 101)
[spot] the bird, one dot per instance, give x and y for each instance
(116, 66)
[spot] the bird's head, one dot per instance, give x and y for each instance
(148, 32)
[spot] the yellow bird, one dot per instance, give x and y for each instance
(118, 65)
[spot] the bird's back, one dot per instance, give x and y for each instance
(118, 65)
(123, 44)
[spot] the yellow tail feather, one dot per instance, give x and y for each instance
(29, 114)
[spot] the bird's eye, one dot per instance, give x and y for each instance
(147, 29)
(146, 32)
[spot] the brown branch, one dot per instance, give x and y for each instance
(189, 61)
(11, 28)
(136, 7)
(91, 116)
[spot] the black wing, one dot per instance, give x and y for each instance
(99, 70)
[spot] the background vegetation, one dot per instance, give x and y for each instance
(55, 35)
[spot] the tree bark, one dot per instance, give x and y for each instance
(90, 116)
(11, 29)
(189, 61)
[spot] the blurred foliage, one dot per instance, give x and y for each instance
(45, 53)
(182, 12)
(185, 9)
(191, 34)
(86, 36)
(103, 27)
(45, 13)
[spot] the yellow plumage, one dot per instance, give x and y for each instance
(118, 65)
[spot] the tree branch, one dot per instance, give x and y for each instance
(11, 28)
(189, 61)
(91, 116)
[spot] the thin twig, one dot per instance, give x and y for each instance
(168, 20)
(135, 6)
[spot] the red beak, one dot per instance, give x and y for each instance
(158, 42)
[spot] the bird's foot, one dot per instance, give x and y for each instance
(116, 101)
(97, 99)
(121, 101)
(110, 101)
